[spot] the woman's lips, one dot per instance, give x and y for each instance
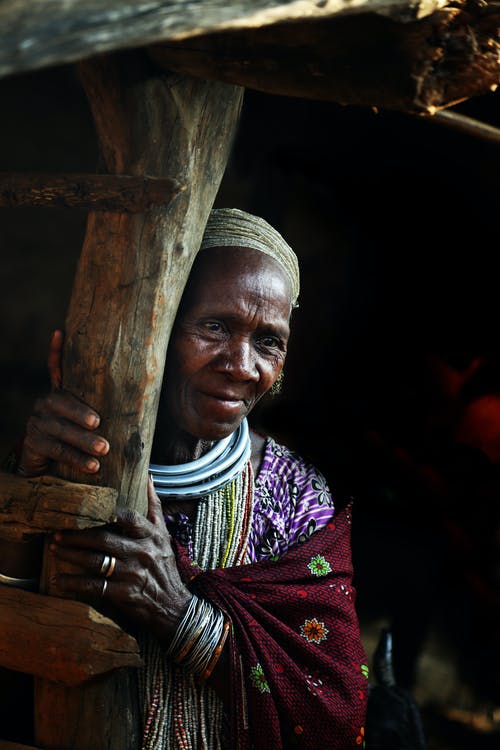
(225, 401)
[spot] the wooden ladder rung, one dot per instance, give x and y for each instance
(34, 505)
(95, 192)
(62, 640)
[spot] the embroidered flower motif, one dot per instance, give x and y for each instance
(259, 679)
(319, 566)
(314, 631)
(360, 739)
(365, 670)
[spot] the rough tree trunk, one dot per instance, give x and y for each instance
(130, 277)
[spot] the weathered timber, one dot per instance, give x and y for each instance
(128, 284)
(468, 125)
(34, 35)
(397, 54)
(34, 505)
(363, 60)
(62, 640)
(6, 745)
(126, 193)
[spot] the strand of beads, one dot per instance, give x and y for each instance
(157, 689)
(223, 523)
(182, 711)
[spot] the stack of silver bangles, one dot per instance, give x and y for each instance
(197, 636)
(223, 462)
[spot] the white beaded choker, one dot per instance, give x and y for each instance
(206, 474)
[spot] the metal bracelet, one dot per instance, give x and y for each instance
(19, 583)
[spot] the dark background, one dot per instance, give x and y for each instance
(395, 222)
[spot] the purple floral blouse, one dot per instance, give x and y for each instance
(291, 501)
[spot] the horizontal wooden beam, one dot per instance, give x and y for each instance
(34, 505)
(409, 55)
(34, 35)
(468, 125)
(62, 640)
(124, 193)
(368, 60)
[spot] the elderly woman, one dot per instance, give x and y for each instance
(238, 584)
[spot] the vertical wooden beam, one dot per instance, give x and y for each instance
(129, 280)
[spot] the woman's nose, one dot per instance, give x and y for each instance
(238, 360)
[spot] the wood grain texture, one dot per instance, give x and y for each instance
(130, 277)
(364, 59)
(122, 193)
(34, 35)
(34, 505)
(399, 55)
(62, 640)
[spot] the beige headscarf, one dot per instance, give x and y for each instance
(231, 227)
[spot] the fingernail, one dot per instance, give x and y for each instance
(92, 464)
(92, 420)
(100, 446)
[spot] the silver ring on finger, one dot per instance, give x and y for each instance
(104, 587)
(111, 567)
(106, 563)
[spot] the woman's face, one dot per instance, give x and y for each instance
(229, 340)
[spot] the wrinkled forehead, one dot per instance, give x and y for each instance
(231, 227)
(227, 268)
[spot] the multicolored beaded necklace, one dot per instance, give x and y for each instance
(178, 713)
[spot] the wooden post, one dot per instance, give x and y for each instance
(130, 277)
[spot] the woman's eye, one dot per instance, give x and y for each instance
(271, 342)
(213, 326)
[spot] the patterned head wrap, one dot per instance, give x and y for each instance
(231, 227)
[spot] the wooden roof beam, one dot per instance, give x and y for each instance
(410, 55)
(420, 66)
(36, 35)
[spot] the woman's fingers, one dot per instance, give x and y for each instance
(155, 510)
(87, 546)
(129, 564)
(61, 432)
(53, 440)
(94, 563)
(136, 526)
(64, 405)
(84, 587)
(62, 429)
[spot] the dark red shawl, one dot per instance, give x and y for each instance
(298, 668)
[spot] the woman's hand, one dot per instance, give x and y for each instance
(61, 428)
(145, 587)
